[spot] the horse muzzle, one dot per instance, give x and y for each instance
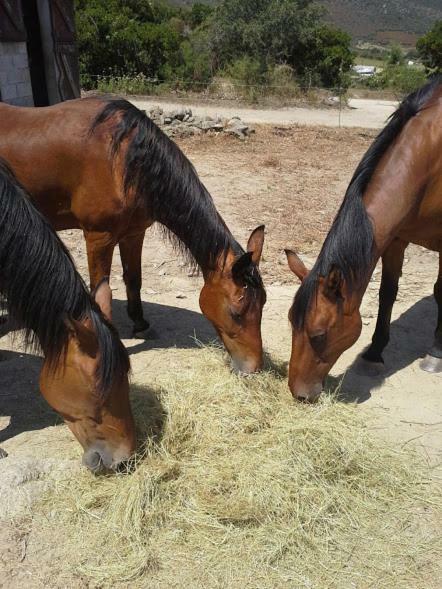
(306, 394)
(101, 459)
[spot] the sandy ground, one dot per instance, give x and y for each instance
(361, 112)
(292, 179)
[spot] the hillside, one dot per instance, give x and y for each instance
(378, 20)
(381, 20)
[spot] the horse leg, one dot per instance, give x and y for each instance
(100, 249)
(433, 360)
(392, 262)
(130, 251)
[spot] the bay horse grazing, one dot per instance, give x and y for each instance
(394, 198)
(105, 167)
(85, 370)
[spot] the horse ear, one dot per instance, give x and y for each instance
(241, 268)
(333, 284)
(296, 265)
(256, 243)
(86, 338)
(103, 297)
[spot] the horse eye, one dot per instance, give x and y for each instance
(318, 342)
(236, 316)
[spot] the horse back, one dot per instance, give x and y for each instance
(66, 169)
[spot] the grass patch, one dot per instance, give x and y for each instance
(239, 486)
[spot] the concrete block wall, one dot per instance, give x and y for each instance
(15, 79)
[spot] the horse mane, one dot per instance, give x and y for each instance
(167, 183)
(40, 287)
(349, 245)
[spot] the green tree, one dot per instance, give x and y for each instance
(117, 37)
(199, 13)
(429, 48)
(277, 32)
(395, 55)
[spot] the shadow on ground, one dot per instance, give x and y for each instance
(411, 338)
(20, 399)
(170, 327)
(22, 403)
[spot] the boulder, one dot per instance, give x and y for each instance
(178, 114)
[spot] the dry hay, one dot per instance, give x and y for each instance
(242, 487)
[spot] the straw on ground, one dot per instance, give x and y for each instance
(238, 486)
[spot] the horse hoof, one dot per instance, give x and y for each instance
(431, 364)
(140, 326)
(365, 367)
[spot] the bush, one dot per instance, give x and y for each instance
(138, 84)
(395, 55)
(196, 67)
(400, 78)
(407, 79)
(282, 82)
(248, 75)
(429, 48)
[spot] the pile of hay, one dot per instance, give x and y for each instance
(239, 486)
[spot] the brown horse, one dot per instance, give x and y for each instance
(105, 167)
(85, 371)
(394, 198)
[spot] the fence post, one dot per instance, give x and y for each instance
(340, 105)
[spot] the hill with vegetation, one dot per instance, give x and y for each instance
(378, 20)
(399, 20)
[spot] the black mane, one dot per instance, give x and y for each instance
(40, 287)
(349, 245)
(162, 176)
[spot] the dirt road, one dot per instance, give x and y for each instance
(370, 114)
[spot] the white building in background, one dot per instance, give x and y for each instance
(364, 70)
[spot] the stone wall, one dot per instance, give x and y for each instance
(15, 79)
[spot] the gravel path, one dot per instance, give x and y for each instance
(366, 113)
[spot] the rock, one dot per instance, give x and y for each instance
(182, 123)
(208, 125)
(185, 131)
(156, 112)
(236, 132)
(178, 114)
(331, 100)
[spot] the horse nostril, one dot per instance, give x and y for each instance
(93, 461)
(302, 398)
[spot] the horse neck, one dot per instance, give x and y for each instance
(398, 184)
(200, 230)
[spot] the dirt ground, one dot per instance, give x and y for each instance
(293, 180)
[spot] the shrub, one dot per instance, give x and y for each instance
(429, 48)
(248, 75)
(282, 82)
